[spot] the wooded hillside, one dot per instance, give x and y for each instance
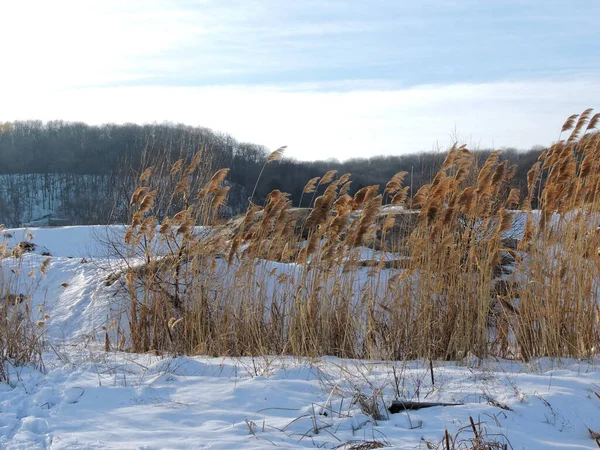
(82, 172)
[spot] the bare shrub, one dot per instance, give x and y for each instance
(474, 436)
(21, 329)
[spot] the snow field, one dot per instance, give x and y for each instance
(89, 399)
(92, 400)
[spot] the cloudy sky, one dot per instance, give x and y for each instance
(331, 79)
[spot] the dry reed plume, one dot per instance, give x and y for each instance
(291, 283)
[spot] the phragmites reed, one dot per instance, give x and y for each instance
(323, 204)
(395, 183)
(569, 123)
(138, 194)
(182, 186)
(176, 168)
(343, 209)
(43, 267)
(400, 197)
(311, 186)
(513, 198)
(22, 327)
(345, 187)
(359, 197)
(193, 163)
(220, 197)
(185, 227)
(421, 195)
(484, 180)
(275, 155)
(325, 180)
(146, 175)
(166, 225)
(328, 177)
(363, 196)
(499, 173)
(213, 185)
(366, 220)
(147, 202)
(345, 178)
(249, 218)
(463, 274)
(593, 122)
(581, 122)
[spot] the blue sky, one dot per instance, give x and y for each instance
(333, 79)
(401, 43)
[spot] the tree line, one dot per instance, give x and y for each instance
(102, 163)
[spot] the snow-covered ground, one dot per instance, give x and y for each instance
(92, 400)
(88, 399)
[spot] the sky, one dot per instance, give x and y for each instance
(329, 79)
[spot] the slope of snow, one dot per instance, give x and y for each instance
(76, 241)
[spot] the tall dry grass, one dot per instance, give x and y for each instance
(21, 329)
(283, 280)
(559, 286)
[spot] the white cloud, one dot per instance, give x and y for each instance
(334, 124)
(151, 60)
(67, 43)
